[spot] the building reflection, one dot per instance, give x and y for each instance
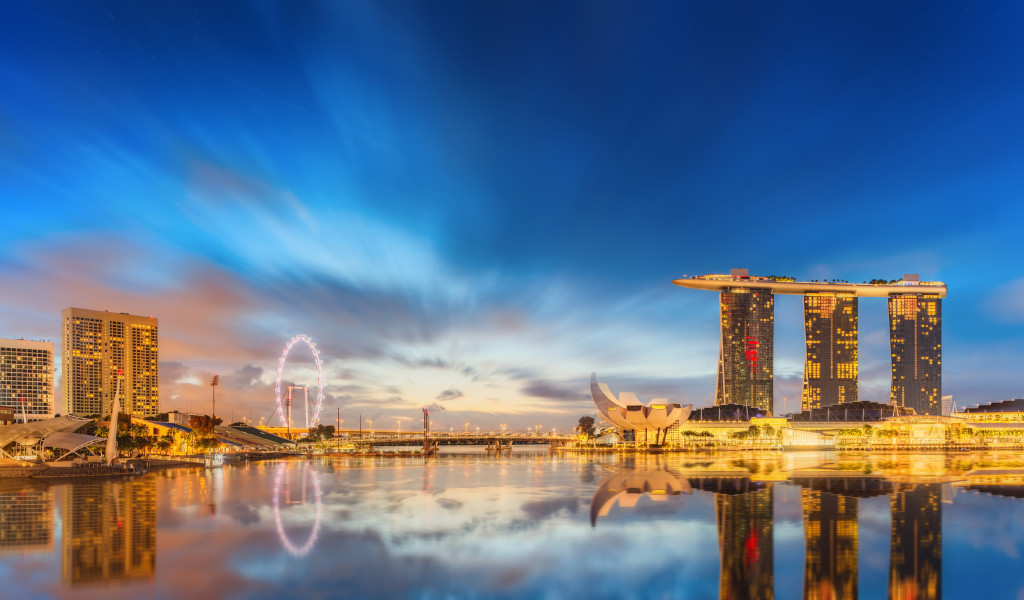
(109, 531)
(744, 514)
(26, 519)
(830, 554)
(915, 552)
(628, 485)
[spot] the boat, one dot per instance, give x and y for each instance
(214, 460)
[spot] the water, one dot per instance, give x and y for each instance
(527, 526)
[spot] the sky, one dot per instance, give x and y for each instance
(473, 206)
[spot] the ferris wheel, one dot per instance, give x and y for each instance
(284, 410)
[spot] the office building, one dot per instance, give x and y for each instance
(99, 344)
(830, 335)
(26, 379)
(915, 338)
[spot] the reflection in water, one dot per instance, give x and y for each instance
(109, 530)
(745, 543)
(830, 534)
(283, 494)
(744, 516)
(26, 520)
(630, 484)
(915, 559)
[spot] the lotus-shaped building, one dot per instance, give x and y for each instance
(628, 414)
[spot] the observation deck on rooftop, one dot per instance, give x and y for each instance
(801, 288)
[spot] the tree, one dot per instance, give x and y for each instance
(166, 442)
(586, 426)
(203, 424)
(320, 432)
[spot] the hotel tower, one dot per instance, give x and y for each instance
(745, 371)
(97, 346)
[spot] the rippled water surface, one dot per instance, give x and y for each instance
(527, 526)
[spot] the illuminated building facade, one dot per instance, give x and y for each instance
(109, 530)
(830, 311)
(915, 338)
(97, 344)
(830, 535)
(746, 356)
(915, 549)
(26, 372)
(830, 335)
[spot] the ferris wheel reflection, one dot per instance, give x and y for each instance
(284, 493)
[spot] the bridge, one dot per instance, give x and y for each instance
(456, 439)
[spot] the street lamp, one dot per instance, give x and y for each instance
(213, 386)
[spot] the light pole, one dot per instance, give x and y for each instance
(213, 387)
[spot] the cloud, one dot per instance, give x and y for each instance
(555, 391)
(449, 394)
(244, 378)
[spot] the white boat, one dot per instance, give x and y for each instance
(214, 460)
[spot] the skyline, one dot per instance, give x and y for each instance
(474, 207)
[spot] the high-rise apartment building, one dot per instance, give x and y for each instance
(26, 378)
(915, 339)
(99, 344)
(746, 357)
(830, 333)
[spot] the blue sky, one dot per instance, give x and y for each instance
(475, 205)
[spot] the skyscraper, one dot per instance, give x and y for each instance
(745, 359)
(98, 344)
(26, 373)
(830, 333)
(915, 339)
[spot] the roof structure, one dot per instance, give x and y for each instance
(255, 436)
(72, 442)
(1015, 405)
(800, 288)
(853, 411)
(727, 413)
(30, 433)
